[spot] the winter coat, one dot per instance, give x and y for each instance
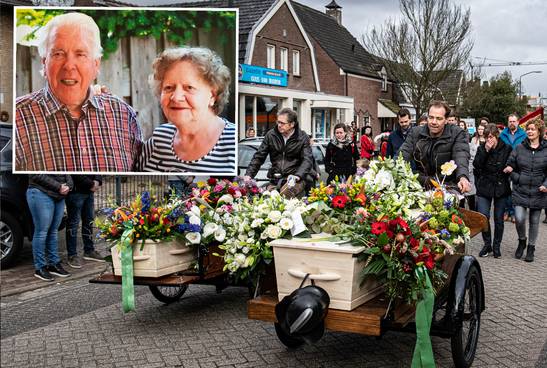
(367, 147)
(472, 152)
(291, 158)
(50, 184)
(426, 154)
(84, 183)
(490, 180)
(341, 161)
(517, 138)
(395, 141)
(529, 173)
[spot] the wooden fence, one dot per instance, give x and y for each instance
(122, 190)
(126, 71)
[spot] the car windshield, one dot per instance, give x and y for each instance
(246, 153)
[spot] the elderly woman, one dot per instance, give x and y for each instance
(192, 84)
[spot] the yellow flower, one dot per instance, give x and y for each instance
(448, 168)
(168, 230)
(201, 184)
(138, 235)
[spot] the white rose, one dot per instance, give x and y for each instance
(245, 250)
(240, 259)
(273, 231)
(286, 223)
(274, 216)
(209, 229)
(227, 219)
(242, 237)
(220, 234)
(263, 208)
(251, 234)
(384, 180)
(257, 222)
(226, 198)
(264, 235)
(193, 238)
(275, 194)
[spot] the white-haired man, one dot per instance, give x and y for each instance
(64, 126)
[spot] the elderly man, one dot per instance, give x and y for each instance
(64, 126)
(431, 145)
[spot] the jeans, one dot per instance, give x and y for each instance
(520, 220)
(483, 206)
(79, 205)
(509, 207)
(47, 214)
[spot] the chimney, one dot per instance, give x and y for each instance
(335, 11)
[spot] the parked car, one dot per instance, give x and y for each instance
(15, 218)
(247, 148)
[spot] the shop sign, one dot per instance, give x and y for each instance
(257, 74)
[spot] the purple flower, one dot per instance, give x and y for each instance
(145, 200)
(445, 233)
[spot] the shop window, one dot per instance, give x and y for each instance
(266, 113)
(284, 59)
(270, 56)
(249, 108)
(296, 63)
(322, 124)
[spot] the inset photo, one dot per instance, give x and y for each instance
(125, 91)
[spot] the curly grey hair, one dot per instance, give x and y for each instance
(209, 64)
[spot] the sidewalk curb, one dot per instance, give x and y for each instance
(95, 270)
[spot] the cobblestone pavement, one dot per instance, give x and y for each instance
(206, 329)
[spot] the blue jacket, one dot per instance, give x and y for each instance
(513, 140)
(395, 141)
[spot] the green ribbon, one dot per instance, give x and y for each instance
(128, 290)
(423, 351)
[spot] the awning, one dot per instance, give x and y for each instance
(387, 108)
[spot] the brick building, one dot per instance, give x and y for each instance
(330, 77)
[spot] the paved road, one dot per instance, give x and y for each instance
(76, 324)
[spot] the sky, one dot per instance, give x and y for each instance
(504, 30)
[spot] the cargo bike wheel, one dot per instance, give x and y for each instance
(467, 308)
(168, 294)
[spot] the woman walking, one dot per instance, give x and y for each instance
(492, 186)
(46, 200)
(528, 168)
(342, 154)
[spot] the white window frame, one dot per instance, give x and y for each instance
(296, 62)
(270, 56)
(284, 59)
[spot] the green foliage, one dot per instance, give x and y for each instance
(495, 100)
(178, 26)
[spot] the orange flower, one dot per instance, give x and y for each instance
(361, 198)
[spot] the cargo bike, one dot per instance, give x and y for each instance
(170, 288)
(457, 310)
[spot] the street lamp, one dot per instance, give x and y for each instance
(520, 80)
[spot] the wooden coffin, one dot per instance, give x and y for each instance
(332, 266)
(157, 259)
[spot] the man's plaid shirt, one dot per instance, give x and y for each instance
(107, 136)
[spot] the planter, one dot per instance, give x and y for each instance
(157, 258)
(332, 266)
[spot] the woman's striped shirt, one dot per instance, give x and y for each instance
(158, 154)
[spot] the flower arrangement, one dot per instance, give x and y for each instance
(149, 218)
(213, 190)
(251, 226)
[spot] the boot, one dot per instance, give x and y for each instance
(520, 248)
(497, 251)
(485, 250)
(530, 253)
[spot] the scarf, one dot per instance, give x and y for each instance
(341, 144)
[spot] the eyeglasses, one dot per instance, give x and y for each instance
(283, 123)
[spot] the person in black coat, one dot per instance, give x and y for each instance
(80, 205)
(46, 201)
(289, 150)
(398, 136)
(428, 147)
(342, 154)
(528, 168)
(492, 185)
